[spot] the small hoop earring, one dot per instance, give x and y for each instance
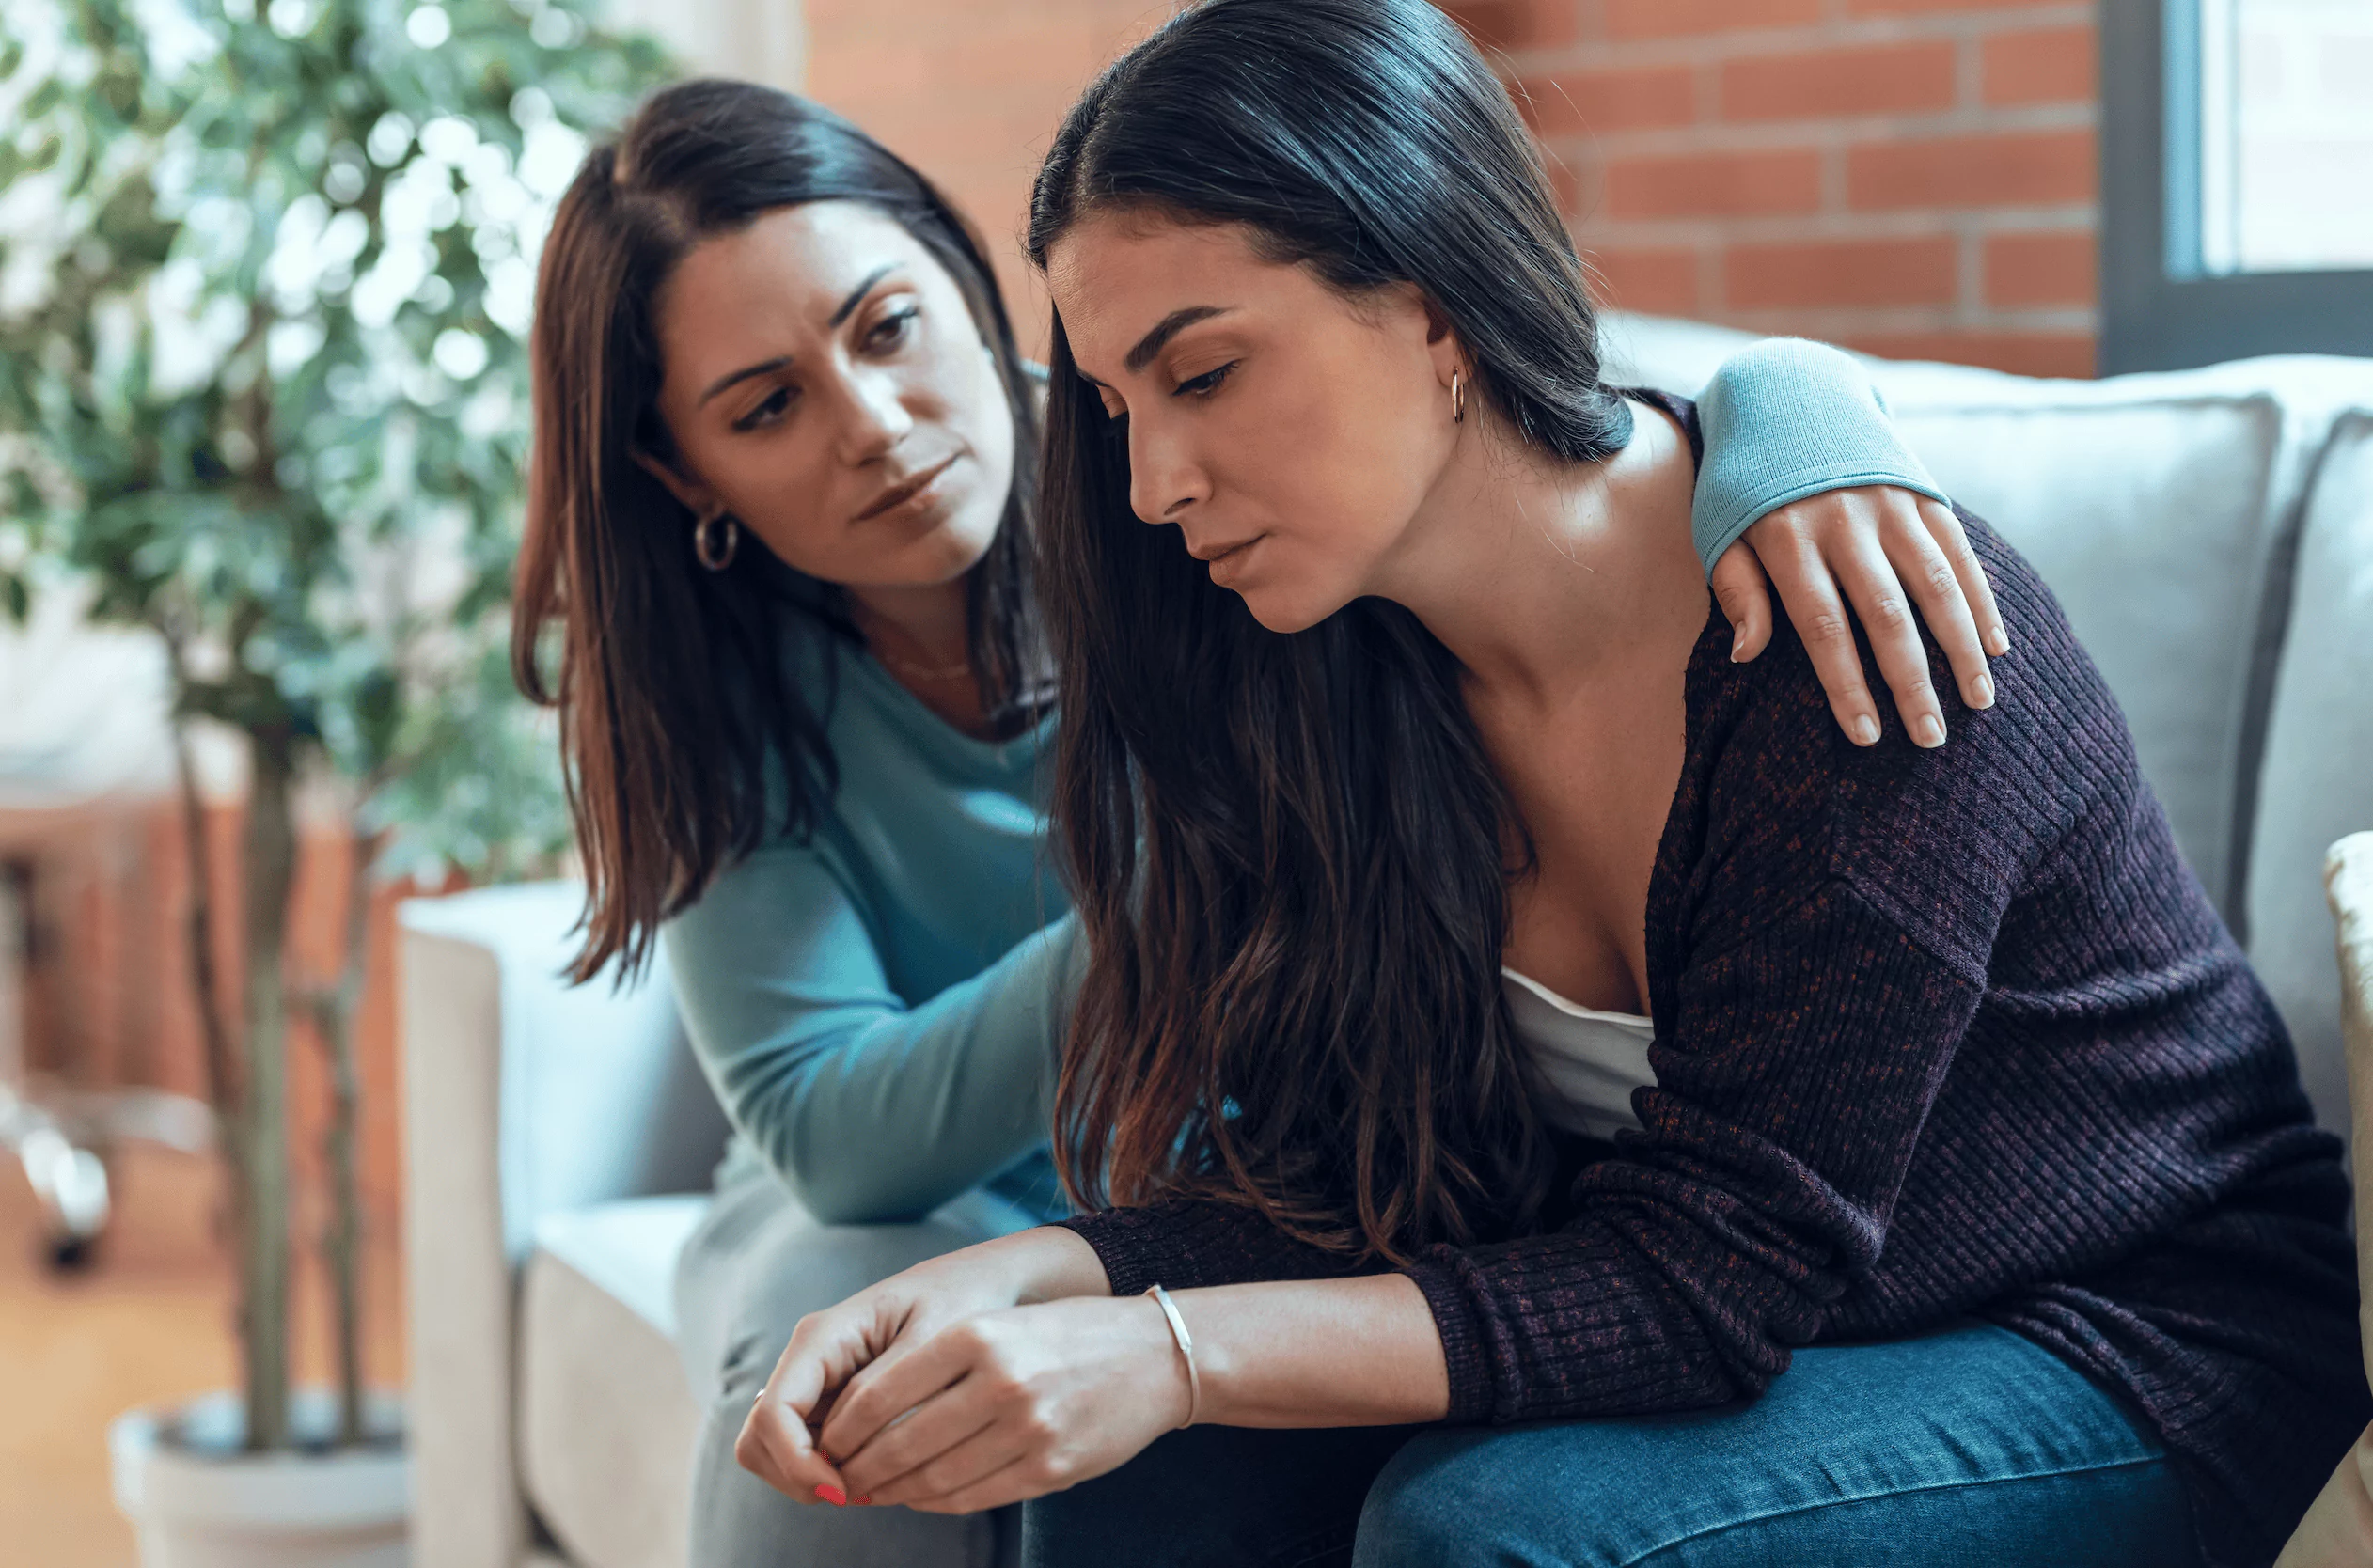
(716, 552)
(1457, 398)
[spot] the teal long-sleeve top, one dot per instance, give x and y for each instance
(879, 1008)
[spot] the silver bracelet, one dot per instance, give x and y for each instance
(1186, 1348)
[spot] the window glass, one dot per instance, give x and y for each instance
(2285, 128)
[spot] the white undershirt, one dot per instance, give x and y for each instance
(1589, 1061)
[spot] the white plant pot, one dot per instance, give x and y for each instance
(197, 1500)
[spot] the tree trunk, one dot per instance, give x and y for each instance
(270, 867)
(333, 1011)
(225, 1082)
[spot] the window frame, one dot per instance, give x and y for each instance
(2157, 315)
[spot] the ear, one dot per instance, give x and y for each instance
(1410, 309)
(1442, 345)
(1437, 325)
(692, 493)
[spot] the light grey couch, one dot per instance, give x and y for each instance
(2210, 534)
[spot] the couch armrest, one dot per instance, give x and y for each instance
(523, 1096)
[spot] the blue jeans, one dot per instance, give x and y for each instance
(1968, 1448)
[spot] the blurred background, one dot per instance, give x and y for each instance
(283, 389)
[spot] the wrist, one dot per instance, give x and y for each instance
(1051, 1263)
(1188, 1378)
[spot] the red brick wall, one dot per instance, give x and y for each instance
(1915, 176)
(971, 92)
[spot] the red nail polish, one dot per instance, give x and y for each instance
(834, 1496)
(864, 1501)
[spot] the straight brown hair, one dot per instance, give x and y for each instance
(686, 738)
(1291, 854)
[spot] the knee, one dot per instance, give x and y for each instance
(1424, 1510)
(1551, 1496)
(815, 1266)
(797, 1270)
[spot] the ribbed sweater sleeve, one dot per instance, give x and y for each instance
(1787, 418)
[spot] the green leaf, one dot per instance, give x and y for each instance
(264, 491)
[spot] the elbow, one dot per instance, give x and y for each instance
(836, 1182)
(834, 1193)
(840, 1203)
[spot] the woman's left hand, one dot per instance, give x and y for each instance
(1888, 549)
(1008, 1405)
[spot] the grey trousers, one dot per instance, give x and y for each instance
(758, 1265)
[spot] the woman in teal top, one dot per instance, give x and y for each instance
(777, 583)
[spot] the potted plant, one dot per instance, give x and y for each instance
(265, 272)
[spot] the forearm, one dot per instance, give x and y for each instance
(870, 1111)
(912, 1108)
(1310, 1352)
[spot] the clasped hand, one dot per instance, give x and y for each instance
(949, 1388)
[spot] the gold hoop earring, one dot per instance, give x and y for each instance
(1457, 398)
(714, 546)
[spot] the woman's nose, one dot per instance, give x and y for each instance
(1164, 478)
(877, 419)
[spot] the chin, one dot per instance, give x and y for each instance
(1285, 613)
(950, 550)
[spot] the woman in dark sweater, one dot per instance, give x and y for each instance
(1965, 1207)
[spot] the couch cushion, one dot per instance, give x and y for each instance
(607, 1426)
(629, 1250)
(2317, 785)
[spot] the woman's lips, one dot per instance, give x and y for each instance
(1229, 564)
(898, 494)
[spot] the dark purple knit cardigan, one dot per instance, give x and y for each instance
(1938, 1034)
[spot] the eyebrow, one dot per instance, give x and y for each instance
(768, 367)
(857, 295)
(1167, 328)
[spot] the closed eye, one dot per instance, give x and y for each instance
(1206, 383)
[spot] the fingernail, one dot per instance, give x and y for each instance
(834, 1496)
(1865, 731)
(1982, 692)
(1998, 642)
(1930, 730)
(1737, 641)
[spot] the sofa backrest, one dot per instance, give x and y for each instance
(2211, 535)
(2316, 785)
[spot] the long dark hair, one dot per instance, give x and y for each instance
(1291, 853)
(680, 724)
